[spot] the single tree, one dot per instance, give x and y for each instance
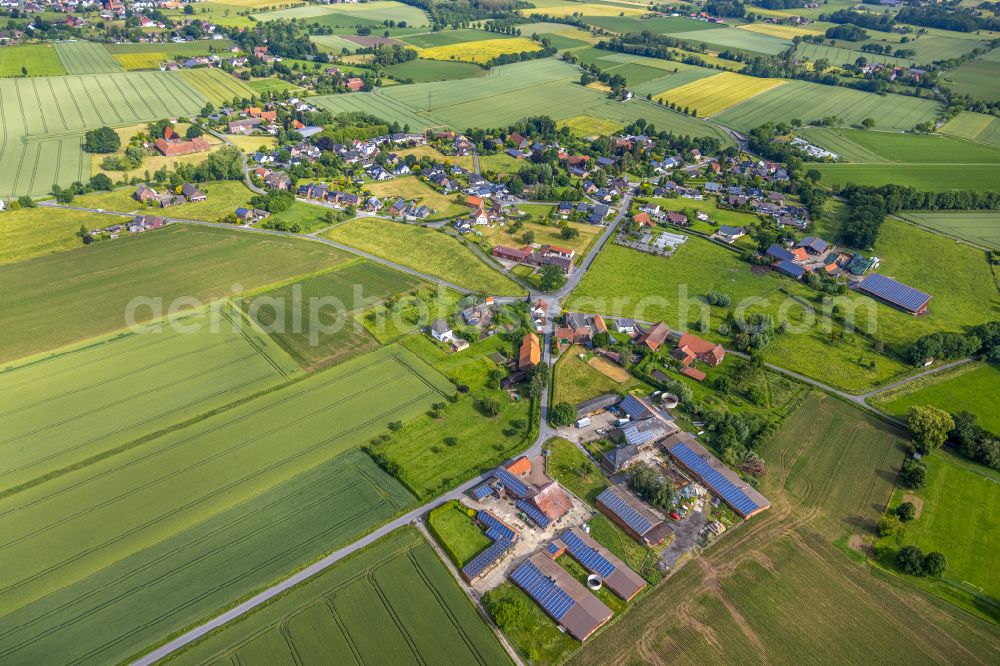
(563, 414)
(935, 563)
(906, 512)
(910, 559)
(929, 426)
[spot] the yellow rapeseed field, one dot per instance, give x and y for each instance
(781, 31)
(585, 9)
(717, 93)
(480, 52)
(140, 60)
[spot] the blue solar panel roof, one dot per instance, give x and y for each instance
(479, 492)
(719, 484)
(552, 549)
(789, 268)
(894, 292)
(779, 252)
(635, 436)
(487, 558)
(511, 482)
(587, 556)
(532, 512)
(634, 408)
(543, 590)
(635, 520)
(495, 529)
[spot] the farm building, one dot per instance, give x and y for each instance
(709, 471)
(647, 425)
(534, 493)
(562, 598)
(503, 537)
(691, 348)
(597, 559)
(654, 336)
(530, 354)
(631, 515)
(596, 405)
(895, 293)
(172, 145)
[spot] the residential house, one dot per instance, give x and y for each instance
(441, 331)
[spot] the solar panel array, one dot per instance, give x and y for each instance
(779, 252)
(532, 512)
(719, 484)
(786, 266)
(636, 437)
(484, 560)
(511, 482)
(479, 492)
(543, 590)
(895, 292)
(635, 520)
(587, 555)
(552, 548)
(495, 529)
(634, 407)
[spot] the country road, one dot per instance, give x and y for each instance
(545, 431)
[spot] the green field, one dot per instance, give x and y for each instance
(975, 127)
(391, 603)
(920, 149)
(172, 49)
(38, 59)
(811, 101)
(506, 94)
(191, 573)
(86, 58)
(287, 312)
(731, 38)
(576, 380)
(82, 402)
(42, 120)
(839, 57)
(932, 177)
(64, 533)
(426, 40)
(830, 473)
(33, 232)
(437, 453)
(72, 296)
(424, 250)
(980, 227)
(620, 279)
(978, 78)
(217, 86)
(458, 534)
(423, 71)
(669, 25)
(969, 387)
(958, 516)
(349, 15)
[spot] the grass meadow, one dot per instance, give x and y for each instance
(576, 380)
(921, 149)
(425, 250)
(352, 14)
(546, 233)
(957, 515)
(732, 38)
(423, 71)
(844, 56)
(457, 532)
(355, 286)
(435, 453)
(932, 177)
(414, 189)
(979, 227)
(88, 289)
(109, 393)
(38, 59)
(35, 232)
(390, 603)
(812, 101)
(969, 387)
(66, 533)
(620, 279)
(830, 473)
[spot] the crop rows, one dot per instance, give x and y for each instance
(81, 403)
(86, 58)
(398, 586)
(216, 86)
(811, 101)
(43, 120)
(718, 93)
